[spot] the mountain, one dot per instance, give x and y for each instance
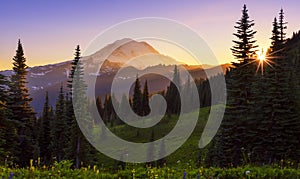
(146, 58)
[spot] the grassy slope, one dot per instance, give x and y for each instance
(185, 154)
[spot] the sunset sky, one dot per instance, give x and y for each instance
(50, 30)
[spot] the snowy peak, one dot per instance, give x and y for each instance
(126, 51)
(131, 49)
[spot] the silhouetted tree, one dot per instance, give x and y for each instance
(145, 100)
(44, 134)
(22, 112)
(137, 97)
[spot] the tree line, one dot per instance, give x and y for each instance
(261, 123)
(55, 135)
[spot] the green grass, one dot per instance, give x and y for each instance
(63, 170)
(187, 153)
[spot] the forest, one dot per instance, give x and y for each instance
(260, 131)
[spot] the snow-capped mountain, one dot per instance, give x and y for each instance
(135, 57)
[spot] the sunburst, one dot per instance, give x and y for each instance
(264, 59)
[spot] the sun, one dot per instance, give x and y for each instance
(262, 56)
(263, 59)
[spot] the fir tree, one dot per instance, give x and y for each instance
(282, 27)
(8, 136)
(244, 47)
(137, 97)
(22, 113)
(172, 94)
(234, 138)
(59, 128)
(275, 37)
(145, 100)
(79, 149)
(44, 134)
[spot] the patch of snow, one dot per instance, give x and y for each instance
(37, 88)
(38, 74)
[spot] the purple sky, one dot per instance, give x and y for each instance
(50, 30)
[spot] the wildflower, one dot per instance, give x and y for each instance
(31, 162)
(247, 172)
(184, 175)
(11, 175)
(39, 161)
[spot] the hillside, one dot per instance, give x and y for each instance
(190, 147)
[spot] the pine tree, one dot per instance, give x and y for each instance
(172, 94)
(275, 37)
(234, 138)
(145, 100)
(59, 128)
(44, 134)
(22, 112)
(283, 118)
(74, 64)
(107, 109)
(282, 27)
(8, 136)
(79, 149)
(137, 97)
(244, 47)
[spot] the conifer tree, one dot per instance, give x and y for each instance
(44, 134)
(145, 100)
(244, 47)
(282, 27)
(172, 94)
(8, 136)
(282, 133)
(22, 112)
(79, 149)
(234, 138)
(107, 109)
(275, 37)
(59, 128)
(137, 97)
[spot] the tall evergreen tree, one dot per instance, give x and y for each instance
(73, 68)
(137, 97)
(22, 112)
(283, 112)
(244, 47)
(59, 128)
(79, 149)
(172, 94)
(282, 27)
(275, 39)
(234, 137)
(8, 136)
(44, 134)
(145, 100)
(107, 109)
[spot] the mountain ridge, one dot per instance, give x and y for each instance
(50, 77)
